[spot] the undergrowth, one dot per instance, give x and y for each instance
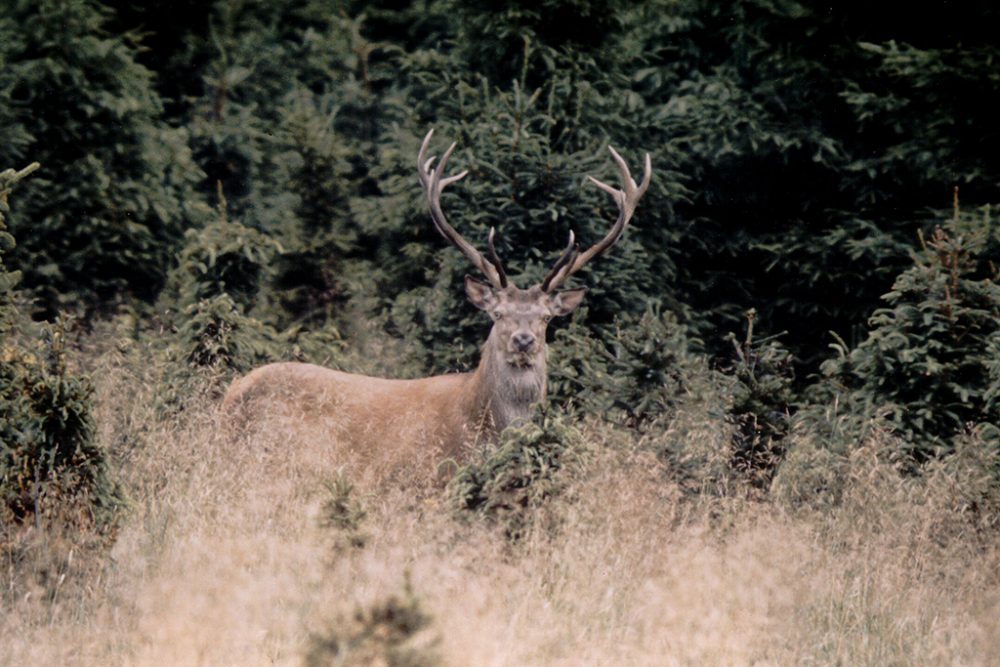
(508, 482)
(384, 633)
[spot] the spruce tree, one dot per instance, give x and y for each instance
(108, 210)
(929, 358)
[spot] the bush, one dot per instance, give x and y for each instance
(518, 474)
(930, 356)
(216, 290)
(726, 430)
(695, 444)
(386, 633)
(343, 512)
(217, 283)
(822, 449)
(52, 469)
(8, 279)
(216, 335)
(311, 175)
(223, 257)
(639, 367)
(762, 395)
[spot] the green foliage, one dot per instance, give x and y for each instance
(926, 372)
(251, 56)
(930, 356)
(725, 432)
(579, 370)
(936, 86)
(795, 150)
(762, 397)
(639, 367)
(102, 220)
(793, 204)
(223, 257)
(343, 511)
(215, 283)
(8, 279)
(52, 469)
(516, 476)
(312, 169)
(212, 343)
(694, 446)
(283, 122)
(219, 282)
(216, 335)
(386, 633)
(495, 36)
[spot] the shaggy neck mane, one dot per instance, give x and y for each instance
(504, 393)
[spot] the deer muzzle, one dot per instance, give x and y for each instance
(522, 341)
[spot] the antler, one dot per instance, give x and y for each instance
(571, 260)
(433, 185)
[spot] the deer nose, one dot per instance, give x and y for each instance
(523, 341)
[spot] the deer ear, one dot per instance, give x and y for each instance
(566, 301)
(480, 294)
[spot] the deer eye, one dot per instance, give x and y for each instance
(497, 314)
(546, 318)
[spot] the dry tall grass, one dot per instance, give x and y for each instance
(225, 559)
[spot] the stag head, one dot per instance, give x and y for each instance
(521, 316)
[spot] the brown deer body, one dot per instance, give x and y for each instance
(396, 421)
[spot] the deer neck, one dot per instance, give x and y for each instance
(506, 394)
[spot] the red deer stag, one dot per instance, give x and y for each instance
(396, 420)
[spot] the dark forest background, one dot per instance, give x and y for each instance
(234, 182)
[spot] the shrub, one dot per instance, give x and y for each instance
(762, 396)
(343, 512)
(224, 256)
(639, 367)
(216, 335)
(725, 432)
(51, 466)
(8, 279)
(311, 175)
(518, 474)
(930, 356)
(695, 443)
(216, 282)
(580, 377)
(386, 633)
(216, 291)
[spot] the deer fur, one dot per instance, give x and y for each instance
(438, 416)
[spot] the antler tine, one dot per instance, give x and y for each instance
(431, 179)
(495, 259)
(627, 198)
(569, 254)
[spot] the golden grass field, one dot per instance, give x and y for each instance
(224, 558)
